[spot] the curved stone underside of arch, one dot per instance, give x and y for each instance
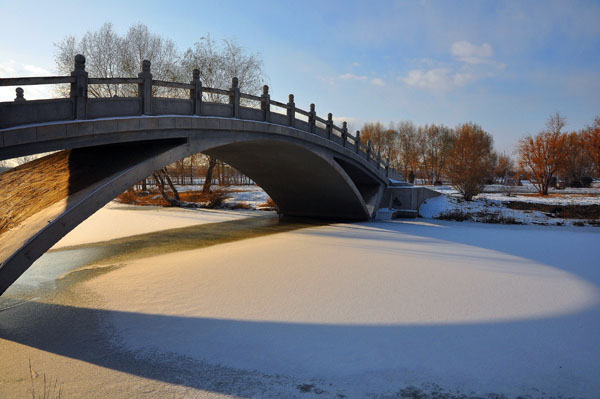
(43, 200)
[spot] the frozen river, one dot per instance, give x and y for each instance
(239, 304)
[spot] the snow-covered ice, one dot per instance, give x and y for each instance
(366, 309)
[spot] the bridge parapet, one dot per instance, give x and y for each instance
(227, 103)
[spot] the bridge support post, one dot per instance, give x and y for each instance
(145, 88)
(329, 125)
(265, 104)
(311, 118)
(234, 97)
(291, 111)
(196, 92)
(79, 89)
(344, 133)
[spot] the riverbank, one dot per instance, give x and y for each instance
(380, 309)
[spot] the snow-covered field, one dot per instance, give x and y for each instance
(494, 206)
(398, 309)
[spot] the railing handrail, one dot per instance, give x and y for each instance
(38, 80)
(79, 81)
(104, 81)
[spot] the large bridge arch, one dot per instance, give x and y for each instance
(308, 165)
(303, 179)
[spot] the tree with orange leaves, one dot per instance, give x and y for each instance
(543, 155)
(470, 159)
(591, 143)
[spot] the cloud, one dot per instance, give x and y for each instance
(472, 63)
(471, 53)
(12, 68)
(351, 76)
(375, 81)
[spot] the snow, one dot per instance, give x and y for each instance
(366, 309)
(117, 220)
(487, 205)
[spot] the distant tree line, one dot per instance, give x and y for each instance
(465, 155)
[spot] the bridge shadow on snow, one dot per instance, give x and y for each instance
(236, 356)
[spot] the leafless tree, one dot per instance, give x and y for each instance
(436, 143)
(110, 55)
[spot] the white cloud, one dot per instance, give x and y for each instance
(430, 79)
(374, 81)
(12, 68)
(472, 63)
(471, 53)
(351, 76)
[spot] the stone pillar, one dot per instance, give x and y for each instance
(344, 133)
(311, 118)
(234, 97)
(291, 111)
(20, 94)
(265, 104)
(357, 141)
(145, 88)
(196, 93)
(329, 125)
(387, 168)
(79, 89)
(369, 150)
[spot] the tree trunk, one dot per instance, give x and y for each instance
(168, 179)
(161, 186)
(212, 162)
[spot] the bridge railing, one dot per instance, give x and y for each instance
(80, 106)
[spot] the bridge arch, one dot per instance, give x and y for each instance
(307, 164)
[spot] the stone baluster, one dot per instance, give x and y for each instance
(20, 94)
(196, 92)
(291, 111)
(344, 133)
(387, 168)
(311, 118)
(357, 141)
(145, 88)
(265, 104)
(79, 89)
(234, 97)
(369, 150)
(329, 125)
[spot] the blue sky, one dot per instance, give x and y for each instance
(504, 65)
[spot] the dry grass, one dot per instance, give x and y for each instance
(32, 187)
(153, 198)
(36, 185)
(559, 211)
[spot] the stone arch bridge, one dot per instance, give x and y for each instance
(309, 166)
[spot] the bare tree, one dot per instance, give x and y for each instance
(577, 162)
(408, 149)
(218, 62)
(591, 138)
(110, 55)
(436, 143)
(543, 155)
